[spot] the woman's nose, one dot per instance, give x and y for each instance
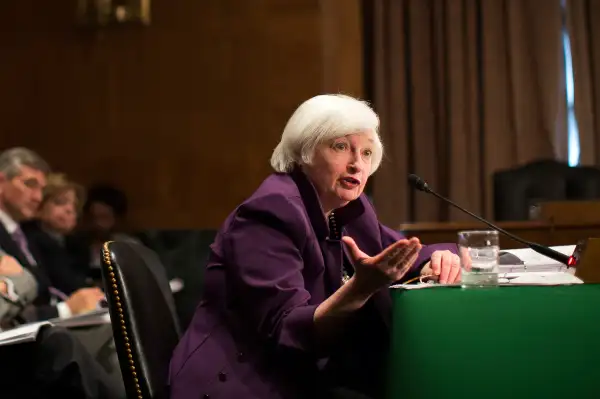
(355, 165)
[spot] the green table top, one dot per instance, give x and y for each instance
(505, 342)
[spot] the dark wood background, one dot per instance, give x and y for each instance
(182, 114)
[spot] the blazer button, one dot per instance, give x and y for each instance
(222, 377)
(206, 396)
(241, 358)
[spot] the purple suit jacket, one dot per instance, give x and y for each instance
(270, 266)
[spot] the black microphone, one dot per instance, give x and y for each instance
(420, 184)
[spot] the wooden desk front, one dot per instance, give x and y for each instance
(541, 232)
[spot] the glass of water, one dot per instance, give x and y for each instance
(478, 251)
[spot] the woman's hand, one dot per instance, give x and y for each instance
(444, 264)
(390, 265)
(371, 274)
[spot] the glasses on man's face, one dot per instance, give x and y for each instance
(32, 184)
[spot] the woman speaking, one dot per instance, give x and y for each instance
(296, 303)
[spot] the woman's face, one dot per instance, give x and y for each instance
(59, 213)
(341, 168)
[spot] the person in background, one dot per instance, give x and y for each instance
(296, 301)
(18, 288)
(22, 181)
(56, 218)
(65, 358)
(103, 219)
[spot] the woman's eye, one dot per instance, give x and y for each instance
(340, 146)
(367, 153)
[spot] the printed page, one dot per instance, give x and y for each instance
(24, 333)
(94, 318)
(532, 258)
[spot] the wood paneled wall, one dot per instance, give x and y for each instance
(182, 114)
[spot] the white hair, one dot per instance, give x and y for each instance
(323, 118)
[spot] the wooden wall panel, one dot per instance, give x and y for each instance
(182, 114)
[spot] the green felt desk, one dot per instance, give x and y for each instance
(505, 342)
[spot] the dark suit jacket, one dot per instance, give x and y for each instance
(271, 265)
(56, 258)
(43, 310)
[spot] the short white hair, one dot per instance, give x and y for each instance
(323, 118)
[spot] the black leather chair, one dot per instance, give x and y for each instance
(145, 325)
(516, 189)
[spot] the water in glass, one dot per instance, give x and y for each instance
(478, 252)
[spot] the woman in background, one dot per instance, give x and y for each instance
(296, 297)
(57, 217)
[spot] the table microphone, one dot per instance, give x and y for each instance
(420, 184)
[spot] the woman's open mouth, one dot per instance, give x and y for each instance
(349, 182)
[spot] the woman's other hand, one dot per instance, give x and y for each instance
(445, 265)
(375, 272)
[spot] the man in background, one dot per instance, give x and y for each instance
(22, 180)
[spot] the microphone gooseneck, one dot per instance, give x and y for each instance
(419, 184)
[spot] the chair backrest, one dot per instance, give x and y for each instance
(516, 189)
(142, 310)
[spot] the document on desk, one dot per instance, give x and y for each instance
(93, 318)
(29, 332)
(511, 279)
(537, 262)
(24, 333)
(539, 278)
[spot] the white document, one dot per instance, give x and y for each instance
(29, 332)
(537, 262)
(537, 278)
(94, 318)
(512, 279)
(24, 333)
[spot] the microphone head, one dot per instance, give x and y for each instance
(418, 183)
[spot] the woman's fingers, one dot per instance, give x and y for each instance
(392, 262)
(355, 251)
(454, 275)
(405, 266)
(403, 256)
(398, 250)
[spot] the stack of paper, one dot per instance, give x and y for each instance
(29, 332)
(536, 262)
(94, 318)
(537, 278)
(509, 279)
(24, 333)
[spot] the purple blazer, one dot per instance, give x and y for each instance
(270, 266)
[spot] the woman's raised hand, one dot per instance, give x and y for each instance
(375, 272)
